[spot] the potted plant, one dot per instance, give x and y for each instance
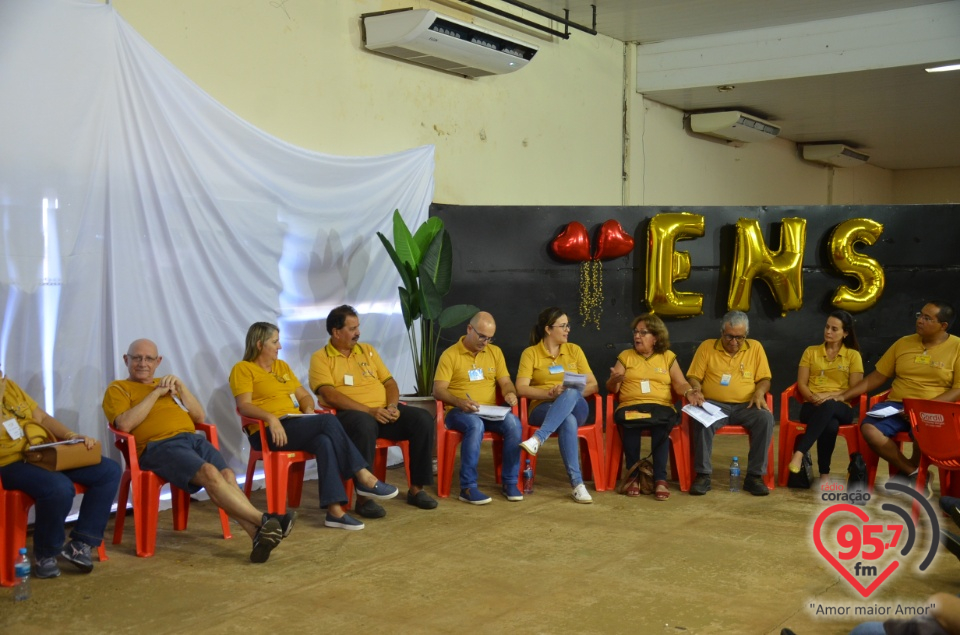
(424, 261)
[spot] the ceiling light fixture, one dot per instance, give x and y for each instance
(940, 69)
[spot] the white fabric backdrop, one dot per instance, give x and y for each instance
(134, 205)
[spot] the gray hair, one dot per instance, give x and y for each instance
(735, 319)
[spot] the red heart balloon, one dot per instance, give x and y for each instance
(572, 244)
(614, 242)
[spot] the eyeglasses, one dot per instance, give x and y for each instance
(734, 338)
(642, 332)
(565, 327)
(485, 339)
(926, 318)
(136, 359)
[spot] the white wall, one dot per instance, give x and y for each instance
(549, 134)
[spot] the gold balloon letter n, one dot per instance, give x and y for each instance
(666, 266)
(781, 270)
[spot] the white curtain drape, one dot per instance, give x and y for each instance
(134, 205)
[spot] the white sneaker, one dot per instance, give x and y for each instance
(581, 495)
(531, 445)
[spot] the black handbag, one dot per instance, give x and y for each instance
(804, 478)
(857, 478)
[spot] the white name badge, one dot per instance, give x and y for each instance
(556, 369)
(293, 398)
(13, 429)
(725, 379)
(644, 386)
(475, 374)
(348, 380)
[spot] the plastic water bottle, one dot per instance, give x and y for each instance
(21, 569)
(735, 475)
(528, 478)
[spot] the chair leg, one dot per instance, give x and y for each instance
(248, 481)
(295, 484)
(122, 495)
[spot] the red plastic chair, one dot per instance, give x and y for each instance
(283, 471)
(769, 479)
(14, 509)
(936, 428)
(447, 442)
(680, 465)
(790, 430)
(146, 486)
(590, 437)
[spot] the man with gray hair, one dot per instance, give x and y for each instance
(733, 374)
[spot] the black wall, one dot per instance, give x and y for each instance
(503, 265)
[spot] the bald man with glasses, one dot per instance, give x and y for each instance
(732, 373)
(923, 365)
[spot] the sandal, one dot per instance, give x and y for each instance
(632, 489)
(661, 494)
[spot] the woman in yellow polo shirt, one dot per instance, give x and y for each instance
(553, 407)
(826, 371)
(644, 379)
(265, 388)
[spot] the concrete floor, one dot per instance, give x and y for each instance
(723, 563)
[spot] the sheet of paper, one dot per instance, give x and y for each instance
(575, 380)
(708, 414)
(886, 411)
(53, 443)
(497, 413)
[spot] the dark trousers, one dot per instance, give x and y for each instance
(823, 423)
(53, 493)
(660, 446)
(413, 425)
(322, 436)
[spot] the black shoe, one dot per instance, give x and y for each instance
(421, 499)
(78, 553)
(951, 505)
(286, 521)
(371, 509)
(268, 537)
(754, 485)
(951, 541)
(701, 485)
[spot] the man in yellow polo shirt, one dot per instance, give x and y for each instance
(732, 373)
(468, 375)
(160, 413)
(351, 377)
(924, 365)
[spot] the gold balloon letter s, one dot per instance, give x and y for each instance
(781, 270)
(666, 266)
(868, 271)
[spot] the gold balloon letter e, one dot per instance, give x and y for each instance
(666, 266)
(781, 270)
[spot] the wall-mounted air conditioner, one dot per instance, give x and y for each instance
(425, 37)
(733, 125)
(835, 154)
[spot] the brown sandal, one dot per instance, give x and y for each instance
(661, 494)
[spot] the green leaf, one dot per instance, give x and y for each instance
(425, 233)
(438, 263)
(456, 314)
(431, 302)
(407, 249)
(407, 277)
(410, 312)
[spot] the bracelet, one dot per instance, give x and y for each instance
(689, 390)
(72, 435)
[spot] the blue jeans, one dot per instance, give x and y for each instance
(563, 415)
(53, 493)
(472, 427)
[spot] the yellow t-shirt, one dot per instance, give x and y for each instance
(18, 406)
(272, 391)
(919, 372)
(830, 376)
(456, 365)
(166, 419)
(545, 371)
(364, 368)
(713, 367)
(654, 369)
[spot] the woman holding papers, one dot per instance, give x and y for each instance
(645, 379)
(826, 371)
(23, 421)
(266, 389)
(557, 405)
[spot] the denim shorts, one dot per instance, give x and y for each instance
(179, 458)
(892, 425)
